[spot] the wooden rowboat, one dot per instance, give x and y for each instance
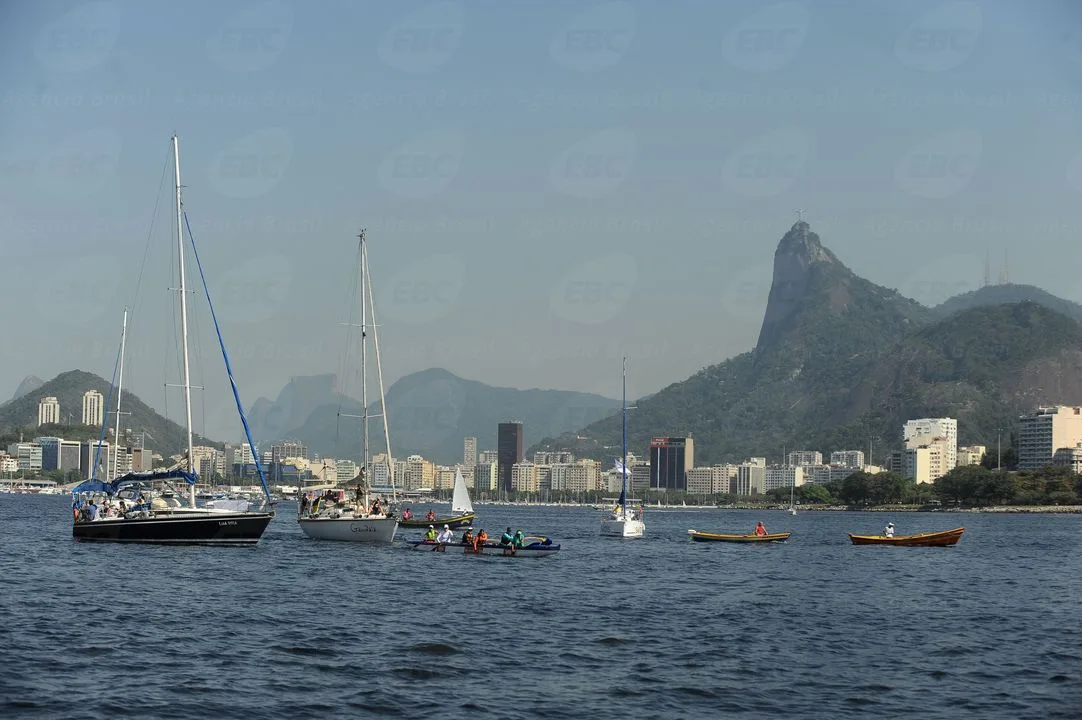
(700, 536)
(452, 521)
(943, 538)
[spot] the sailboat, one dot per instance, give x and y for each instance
(462, 514)
(623, 521)
(157, 521)
(792, 492)
(332, 515)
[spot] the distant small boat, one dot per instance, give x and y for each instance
(460, 505)
(700, 536)
(534, 547)
(944, 538)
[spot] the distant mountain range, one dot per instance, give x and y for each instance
(841, 361)
(429, 413)
(167, 437)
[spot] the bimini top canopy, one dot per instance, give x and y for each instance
(93, 485)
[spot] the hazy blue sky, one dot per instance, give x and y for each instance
(546, 185)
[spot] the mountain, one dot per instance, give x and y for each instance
(29, 384)
(430, 412)
(166, 437)
(274, 419)
(841, 361)
(1007, 293)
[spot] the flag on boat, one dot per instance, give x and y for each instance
(621, 468)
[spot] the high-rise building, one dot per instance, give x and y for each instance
(670, 459)
(805, 457)
(925, 431)
(27, 455)
(93, 408)
(469, 451)
(488, 456)
(846, 458)
(288, 449)
(1042, 432)
(48, 411)
(509, 451)
(88, 453)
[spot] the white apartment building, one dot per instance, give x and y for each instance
(8, 465)
(26, 455)
(1047, 429)
(552, 458)
(640, 477)
(524, 477)
(784, 476)
(485, 477)
(822, 474)
(469, 451)
(93, 408)
(420, 473)
(848, 458)
(445, 477)
(711, 480)
(805, 457)
(926, 460)
(1069, 457)
(924, 431)
(970, 455)
(581, 476)
(488, 456)
(48, 411)
(750, 478)
(345, 469)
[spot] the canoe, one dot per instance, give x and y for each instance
(538, 548)
(700, 536)
(943, 538)
(452, 521)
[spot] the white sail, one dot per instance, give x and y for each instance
(460, 501)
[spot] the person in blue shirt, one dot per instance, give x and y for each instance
(92, 511)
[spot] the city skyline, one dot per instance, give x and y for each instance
(629, 152)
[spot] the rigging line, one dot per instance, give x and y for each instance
(228, 367)
(105, 420)
(150, 234)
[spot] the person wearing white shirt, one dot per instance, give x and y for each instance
(446, 536)
(888, 531)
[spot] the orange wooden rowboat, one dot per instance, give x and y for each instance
(943, 538)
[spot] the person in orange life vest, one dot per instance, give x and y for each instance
(431, 515)
(479, 541)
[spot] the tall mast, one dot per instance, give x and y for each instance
(364, 376)
(184, 316)
(119, 393)
(623, 457)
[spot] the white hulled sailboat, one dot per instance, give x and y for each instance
(623, 521)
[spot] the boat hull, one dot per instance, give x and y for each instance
(453, 522)
(699, 536)
(373, 531)
(946, 538)
(177, 529)
(622, 528)
(491, 549)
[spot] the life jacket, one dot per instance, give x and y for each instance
(506, 539)
(467, 538)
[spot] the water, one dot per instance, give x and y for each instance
(659, 627)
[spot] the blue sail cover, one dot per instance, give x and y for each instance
(89, 486)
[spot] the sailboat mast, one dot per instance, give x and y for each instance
(184, 316)
(623, 457)
(364, 376)
(119, 394)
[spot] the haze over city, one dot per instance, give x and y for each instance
(546, 187)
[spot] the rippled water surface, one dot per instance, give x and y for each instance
(660, 627)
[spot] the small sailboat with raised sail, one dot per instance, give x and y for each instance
(462, 514)
(149, 519)
(623, 521)
(333, 515)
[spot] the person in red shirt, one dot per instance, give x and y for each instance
(760, 529)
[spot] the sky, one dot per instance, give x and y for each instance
(546, 186)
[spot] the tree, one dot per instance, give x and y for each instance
(856, 488)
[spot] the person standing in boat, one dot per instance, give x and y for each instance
(446, 537)
(760, 529)
(888, 531)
